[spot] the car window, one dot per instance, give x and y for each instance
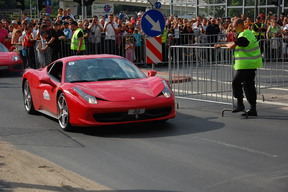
(55, 71)
(3, 48)
(101, 69)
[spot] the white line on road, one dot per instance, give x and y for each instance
(239, 147)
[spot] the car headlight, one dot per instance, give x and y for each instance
(16, 58)
(90, 99)
(166, 91)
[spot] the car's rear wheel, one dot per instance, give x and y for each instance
(27, 97)
(63, 113)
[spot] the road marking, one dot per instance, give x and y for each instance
(239, 147)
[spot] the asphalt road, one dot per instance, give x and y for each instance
(198, 151)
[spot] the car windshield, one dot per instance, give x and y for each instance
(101, 69)
(3, 48)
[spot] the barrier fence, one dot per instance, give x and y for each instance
(116, 45)
(205, 73)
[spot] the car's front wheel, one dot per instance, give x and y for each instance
(27, 97)
(63, 113)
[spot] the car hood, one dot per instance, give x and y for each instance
(124, 90)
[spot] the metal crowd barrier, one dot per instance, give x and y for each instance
(205, 73)
(274, 72)
(116, 45)
(201, 73)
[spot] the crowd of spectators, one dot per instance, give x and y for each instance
(40, 41)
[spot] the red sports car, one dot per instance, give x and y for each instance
(10, 61)
(96, 90)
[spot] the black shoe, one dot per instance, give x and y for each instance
(249, 112)
(238, 108)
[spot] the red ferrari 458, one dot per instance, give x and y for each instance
(96, 90)
(10, 61)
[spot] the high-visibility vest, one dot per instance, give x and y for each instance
(164, 35)
(256, 33)
(248, 57)
(75, 41)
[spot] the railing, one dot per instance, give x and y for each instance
(117, 45)
(205, 73)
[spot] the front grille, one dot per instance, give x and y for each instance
(123, 116)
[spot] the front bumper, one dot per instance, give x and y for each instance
(111, 113)
(15, 67)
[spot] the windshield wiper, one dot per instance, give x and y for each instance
(113, 78)
(79, 81)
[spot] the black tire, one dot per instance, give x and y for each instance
(27, 98)
(63, 113)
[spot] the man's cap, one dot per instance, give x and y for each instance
(74, 23)
(258, 17)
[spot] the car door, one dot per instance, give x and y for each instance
(48, 88)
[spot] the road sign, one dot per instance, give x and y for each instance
(107, 8)
(153, 23)
(153, 50)
(158, 5)
(48, 10)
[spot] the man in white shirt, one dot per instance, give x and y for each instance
(94, 38)
(110, 28)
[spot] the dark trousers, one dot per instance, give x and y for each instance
(55, 53)
(31, 57)
(75, 52)
(110, 46)
(138, 54)
(245, 78)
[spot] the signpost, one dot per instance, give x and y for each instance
(153, 23)
(153, 50)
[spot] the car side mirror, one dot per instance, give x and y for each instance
(46, 80)
(152, 73)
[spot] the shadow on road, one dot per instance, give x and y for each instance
(183, 125)
(8, 186)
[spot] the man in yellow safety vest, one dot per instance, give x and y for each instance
(77, 40)
(247, 59)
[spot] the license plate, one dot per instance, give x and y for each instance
(3, 67)
(136, 111)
